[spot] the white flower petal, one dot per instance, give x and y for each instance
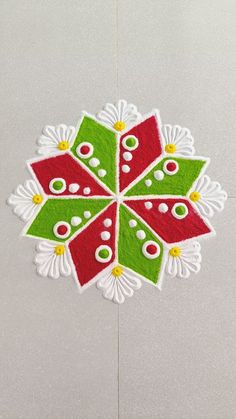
(119, 297)
(125, 287)
(122, 111)
(212, 196)
(65, 268)
(47, 141)
(52, 136)
(61, 131)
(50, 132)
(107, 118)
(180, 137)
(116, 288)
(21, 200)
(189, 261)
(49, 264)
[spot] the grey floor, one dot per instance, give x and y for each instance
(162, 355)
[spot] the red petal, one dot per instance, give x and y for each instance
(71, 171)
(84, 246)
(149, 148)
(165, 224)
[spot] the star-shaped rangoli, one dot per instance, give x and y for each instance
(117, 200)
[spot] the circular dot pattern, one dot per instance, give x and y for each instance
(103, 254)
(57, 185)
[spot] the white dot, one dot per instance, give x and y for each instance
(87, 191)
(141, 234)
(148, 182)
(163, 207)
(102, 173)
(132, 223)
(127, 156)
(74, 187)
(87, 214)
(158, 175)
(105, 235)
(107, 222)
(125, 168)
(148, 205)
(94, 162)
(75, 221)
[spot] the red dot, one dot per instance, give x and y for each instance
(85, 149)
(151, 249)
(62, 229)
(171, 166)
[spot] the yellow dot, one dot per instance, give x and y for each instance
(119, 125)
(175, 252)
(195, 196)
(170, 148)
(37, 199)
(63, 145)
(59, 250)
(117, 271)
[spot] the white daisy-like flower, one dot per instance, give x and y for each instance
(26, 200)
(119, 116)
(183, 260)
(118, 285)
(177, 140)
(52, 260)
(208, 196)
(56, 139)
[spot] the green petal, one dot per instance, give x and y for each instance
(105, 146)
(177, 184)
(130, 247)
(62, 209)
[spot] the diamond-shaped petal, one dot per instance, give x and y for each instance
(173, 219)
(93, 249)
(96, 147)
(135, 242)
(63, 175)
(60, 218)
(139, 147)
(171, 176)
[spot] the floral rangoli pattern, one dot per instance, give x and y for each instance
(117, 201)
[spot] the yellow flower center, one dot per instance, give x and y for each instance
(170, 148)
(37, 199)
(59, 250)
(119, 125)
(175, 252)
(117, 271)
(195, 196)
(63, 145)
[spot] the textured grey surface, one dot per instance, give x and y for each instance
(161, 355)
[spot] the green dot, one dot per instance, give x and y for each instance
(103, 253)
(57, 185)
(130, 142)
(180, 210)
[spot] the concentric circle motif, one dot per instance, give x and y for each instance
(179, 210)
(84, 150)
(151, 249)
(62, 229)
(171, 167)
(103, 253)
(57, 185)
(130, 142)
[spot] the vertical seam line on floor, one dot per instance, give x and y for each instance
(118, 308)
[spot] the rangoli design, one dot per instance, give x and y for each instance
(118, 200)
